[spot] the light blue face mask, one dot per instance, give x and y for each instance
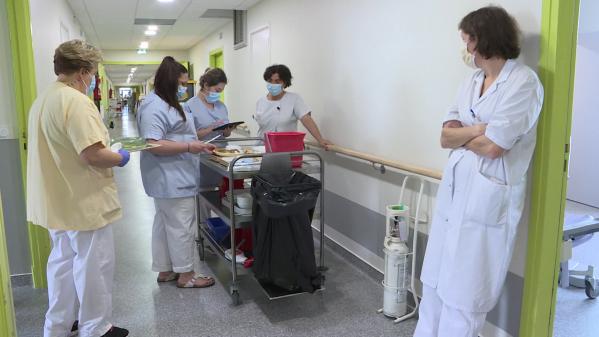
(181, 92)
(274, 89)
(92, 85)
(212, 97)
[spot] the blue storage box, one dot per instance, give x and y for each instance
(218, 228)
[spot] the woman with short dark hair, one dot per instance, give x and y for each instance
(170, 175)
(491, 131)
(280, 110)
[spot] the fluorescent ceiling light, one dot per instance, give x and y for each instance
(150, 32)
(152, 27)
(142, 51)
(144, 45)
(165, 1)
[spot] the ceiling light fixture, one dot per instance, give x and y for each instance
(150, 32)
(153, 27)
(165, 1)
(144, 45)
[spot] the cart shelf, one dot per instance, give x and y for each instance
(237, 168)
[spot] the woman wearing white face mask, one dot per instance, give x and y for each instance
(170, 175)
(280, 110)
(71, 192)
(491, 131)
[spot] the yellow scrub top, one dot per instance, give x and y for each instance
(63, 192)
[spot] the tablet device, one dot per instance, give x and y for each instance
(227, 126)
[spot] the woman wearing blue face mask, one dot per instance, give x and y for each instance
(209, 112)
(170, 175)
(280, 110)
(207, 109)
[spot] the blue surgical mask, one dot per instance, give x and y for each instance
(274, 89)
(212, 97)
(92, 86)
(181, 92)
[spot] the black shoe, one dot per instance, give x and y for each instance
(115, 331)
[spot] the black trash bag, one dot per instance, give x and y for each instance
(283, 241)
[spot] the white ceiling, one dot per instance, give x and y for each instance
(118, 73)
(109, 24)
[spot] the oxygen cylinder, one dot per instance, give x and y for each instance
(396, 251)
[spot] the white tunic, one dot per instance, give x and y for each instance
(281, 115)
(480, 200)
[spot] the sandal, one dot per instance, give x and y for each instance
(171, 277)
(207, 282)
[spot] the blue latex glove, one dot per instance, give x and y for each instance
(124, 157)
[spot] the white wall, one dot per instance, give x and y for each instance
(583, 182)
(46, 20)
(8, 117)
(152, 55)
(379, 76)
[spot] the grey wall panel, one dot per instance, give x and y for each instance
(365, 227)
(13, 202)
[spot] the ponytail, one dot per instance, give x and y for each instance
(166, 83)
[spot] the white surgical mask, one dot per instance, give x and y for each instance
(468, 58)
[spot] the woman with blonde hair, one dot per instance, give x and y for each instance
(71, 192)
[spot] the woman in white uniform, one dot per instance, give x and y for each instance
(71, 191)
(491, 131)
(170, 175)
(280, 110)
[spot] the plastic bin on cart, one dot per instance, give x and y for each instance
(283, 241)
(286, 142)
(219, 228)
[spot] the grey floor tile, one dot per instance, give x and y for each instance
(346, 308)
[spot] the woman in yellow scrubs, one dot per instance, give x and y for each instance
(71, 192)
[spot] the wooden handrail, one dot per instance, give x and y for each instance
(429, 173)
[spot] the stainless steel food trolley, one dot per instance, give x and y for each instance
(312, 164)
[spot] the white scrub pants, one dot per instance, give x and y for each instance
(173, 235)
(80, 273)
(439, 320)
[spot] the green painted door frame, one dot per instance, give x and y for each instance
(8, 326)
(217, 60)
(556, 69)
(25, 92)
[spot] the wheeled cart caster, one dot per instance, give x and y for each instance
(591, 287)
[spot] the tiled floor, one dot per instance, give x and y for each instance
(346, 308)
(575, 314)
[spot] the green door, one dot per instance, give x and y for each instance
(217, 60)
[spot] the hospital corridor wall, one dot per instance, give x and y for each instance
(583, 182)
(378, 81)
(10, 163)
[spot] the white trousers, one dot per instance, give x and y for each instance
(173, 235)
(439, 320)
(80, 274)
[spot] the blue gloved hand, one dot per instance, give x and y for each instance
(124, 157)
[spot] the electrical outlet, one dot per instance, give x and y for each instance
(5, 132)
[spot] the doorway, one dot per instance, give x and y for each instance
(576, 307)
(217, 60)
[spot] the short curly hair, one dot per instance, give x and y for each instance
(74, 55)
(282, 70)
(495, 31)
